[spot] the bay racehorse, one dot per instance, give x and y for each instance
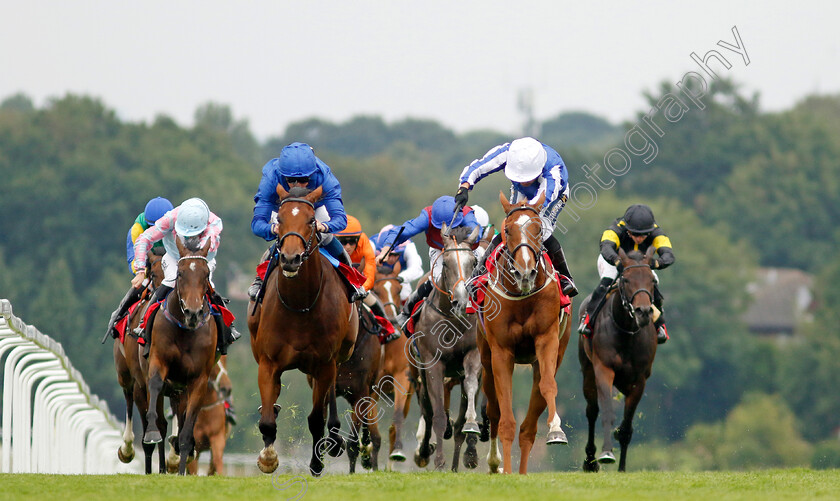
(526, 325)
(183, 349)
(619, 353)
(304, 322)
(127, 362)
(444, 344)
(393, 378)
(211, 429)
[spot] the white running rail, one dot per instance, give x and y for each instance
(50, 421)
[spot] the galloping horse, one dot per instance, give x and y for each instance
(445, 344)
(526, 326)
(394, 368)
(130, 374)
(304, 322)
(182, 353)
(211, 428)
(620, 353)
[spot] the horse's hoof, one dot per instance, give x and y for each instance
(337, 446)
(471, 427)
(152, 437)
(447, 434)
(172, 463)
(365, 459)
(557, 437)
(591, 466)
(606, 457)
(316, 468)
(471, 457)
(397, 455)
(267, 461)
(126, 457)
(420, 461)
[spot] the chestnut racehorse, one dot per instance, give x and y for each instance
(183, 348)
(129, 372)
(524, 327)
(620, 353)
(304, 322)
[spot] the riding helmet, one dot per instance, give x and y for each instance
(192, 217)
(442, 211)
(639, 219)
(525, 160)
(155, 209)
(297, 160)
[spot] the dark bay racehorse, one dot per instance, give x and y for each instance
(394, 369)
(182, 353)
(304, 322)
(525, 326)
(130, 374)
(620, 353)
(445, 344)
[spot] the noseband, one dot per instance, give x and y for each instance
(510, 258)
(537, 253)
(461, 277)
(309, 248)
(181, 302)
(627, 303)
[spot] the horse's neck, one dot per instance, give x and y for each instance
(308, 279)
(616, 308)
(441, 301)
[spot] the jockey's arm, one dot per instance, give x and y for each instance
(338, 217)
(146, 239)
(609, 246)
(662, 244)
(413, 264)
(411, 227)
(370, 261)
(492, 161)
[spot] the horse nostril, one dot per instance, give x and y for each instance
(533, 275)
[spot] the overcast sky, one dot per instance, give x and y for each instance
(461, 63)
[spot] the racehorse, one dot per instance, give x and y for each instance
(619, 353)
(304, 322)
(527, 326)
(445, 346)
(394, 368)
(182, 352)
(211, 428)
(354, 381)
(129, 372)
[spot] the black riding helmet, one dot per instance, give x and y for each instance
(639, 219)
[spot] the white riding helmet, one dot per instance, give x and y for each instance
(525, 160)
(481, 215)
(192, 218)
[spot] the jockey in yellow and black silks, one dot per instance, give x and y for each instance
(636, 230)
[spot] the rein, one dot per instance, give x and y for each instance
(308, 250)
(461, 277)
(627, 304)
(498, 285)
(171, 317)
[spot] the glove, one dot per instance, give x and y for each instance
(654, 263)
(461, 198)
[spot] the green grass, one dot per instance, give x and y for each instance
(708, 486)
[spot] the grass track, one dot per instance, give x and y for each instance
(709, 486)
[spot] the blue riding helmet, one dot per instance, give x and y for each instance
(156, 208)
(297, 160)
(442, 211)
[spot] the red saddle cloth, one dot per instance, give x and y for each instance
(353, 275)
(479, 285)
(122, 325)
(409, 326)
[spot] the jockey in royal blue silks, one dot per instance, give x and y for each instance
(429, 221)
(297, 166)
(411, 265)
(533, 168)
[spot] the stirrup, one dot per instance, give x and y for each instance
(569, 287)
(392, 337)
(584, 327)
(662, 334)
(254, 289)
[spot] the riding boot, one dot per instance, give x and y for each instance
(596, 300)
(254, 289)
(481, 268)
(423, 290)
(661, 331)
(228, 334)
(377, 310)
(146, 334)
(131, 297)
(558, 260)
(354, 292)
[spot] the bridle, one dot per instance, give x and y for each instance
(182, 305)
(391, 293)
(461, 277)
(510, 258)
(627, 303)
(309, 249)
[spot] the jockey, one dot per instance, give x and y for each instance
(194, 224)
(155, 209)
(637, 230)
(297, 166)
(483, 220)
(358, 247)
(533, 168)
(429, 221)
(411, 265)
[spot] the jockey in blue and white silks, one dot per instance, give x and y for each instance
(533, 169)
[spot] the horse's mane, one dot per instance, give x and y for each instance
(636, 255)
(460, 233)
(299, 192)
(158, 251)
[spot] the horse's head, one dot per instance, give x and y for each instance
(636, 285)
(296, 219)
(523, 240)
(192, 283)
(458, 264)
(387, 287)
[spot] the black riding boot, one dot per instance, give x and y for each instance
(377, 310)
(661, 331)
(596, 300)
(227, 334)
(354, 293)
(481, 268)
(131, 297)
(146, 334)
(558, 260)
(254, 289)
(423, 290)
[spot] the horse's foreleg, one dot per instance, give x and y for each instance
(155, 386)
(590, 393)
(186, 440)
(375, 439)
(604, 382)
(546, 347)
(269, 383)
(173, 458)
(502, 362)
(217, 452)
(494, 457)
(317, 418)
(402, 400)
(337, 444)
(458, 430)
(161, 426)
(624, 433)
(126, 450)
(433, 381)
(472, 375)
(528, 428)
